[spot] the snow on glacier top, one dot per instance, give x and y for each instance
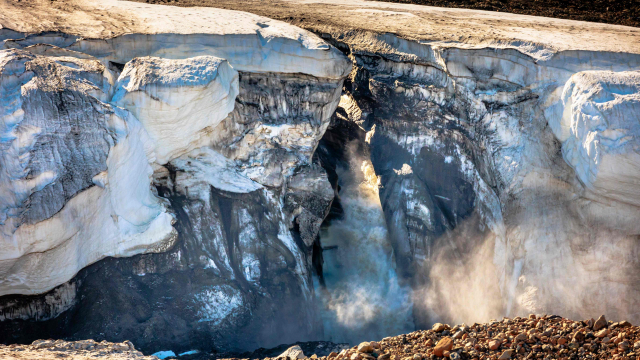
(108, 18)
(538, 37)
(255, 43)
(453, 27)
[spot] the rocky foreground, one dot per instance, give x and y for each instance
(72, 350)
(533, 337)
(545, 337)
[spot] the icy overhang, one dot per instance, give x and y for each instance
(97, 95)
(119, 31)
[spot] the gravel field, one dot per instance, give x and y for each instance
(532, 337)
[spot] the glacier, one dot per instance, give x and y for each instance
(170, 175)
(54, 221)
(190, 142)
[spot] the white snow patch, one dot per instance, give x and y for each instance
(405, 170)
(218, 303)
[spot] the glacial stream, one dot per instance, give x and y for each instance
(363, 298)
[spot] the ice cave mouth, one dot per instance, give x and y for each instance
(250, 184)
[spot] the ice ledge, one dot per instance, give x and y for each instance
(250, 42)
(178, 102)
(598, 123)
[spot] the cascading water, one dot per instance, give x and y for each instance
(362, 298)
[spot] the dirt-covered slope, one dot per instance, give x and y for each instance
(619, 12)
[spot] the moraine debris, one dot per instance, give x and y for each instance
(72, 350)
(532, 337)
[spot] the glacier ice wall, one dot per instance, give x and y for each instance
(76, 174)
(154, 144)
(507, 173)
(507, 180)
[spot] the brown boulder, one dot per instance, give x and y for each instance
(506, 355)
(365, 347)
(601, 323)
(624, 346)
(494, 344)
(445, 344)
(438, 327)
(521, 337)
(578, 336)
(429, 342)
(602, 333)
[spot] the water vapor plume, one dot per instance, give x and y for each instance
(462, 282)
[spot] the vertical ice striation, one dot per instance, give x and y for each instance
(60, 140)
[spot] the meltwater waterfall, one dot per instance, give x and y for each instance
(363, 298)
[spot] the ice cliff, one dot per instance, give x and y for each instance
(193, 142)
(198, 152)
(599, 128)
(493, 149)
(76, 174)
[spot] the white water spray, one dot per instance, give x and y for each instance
(363, 299)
